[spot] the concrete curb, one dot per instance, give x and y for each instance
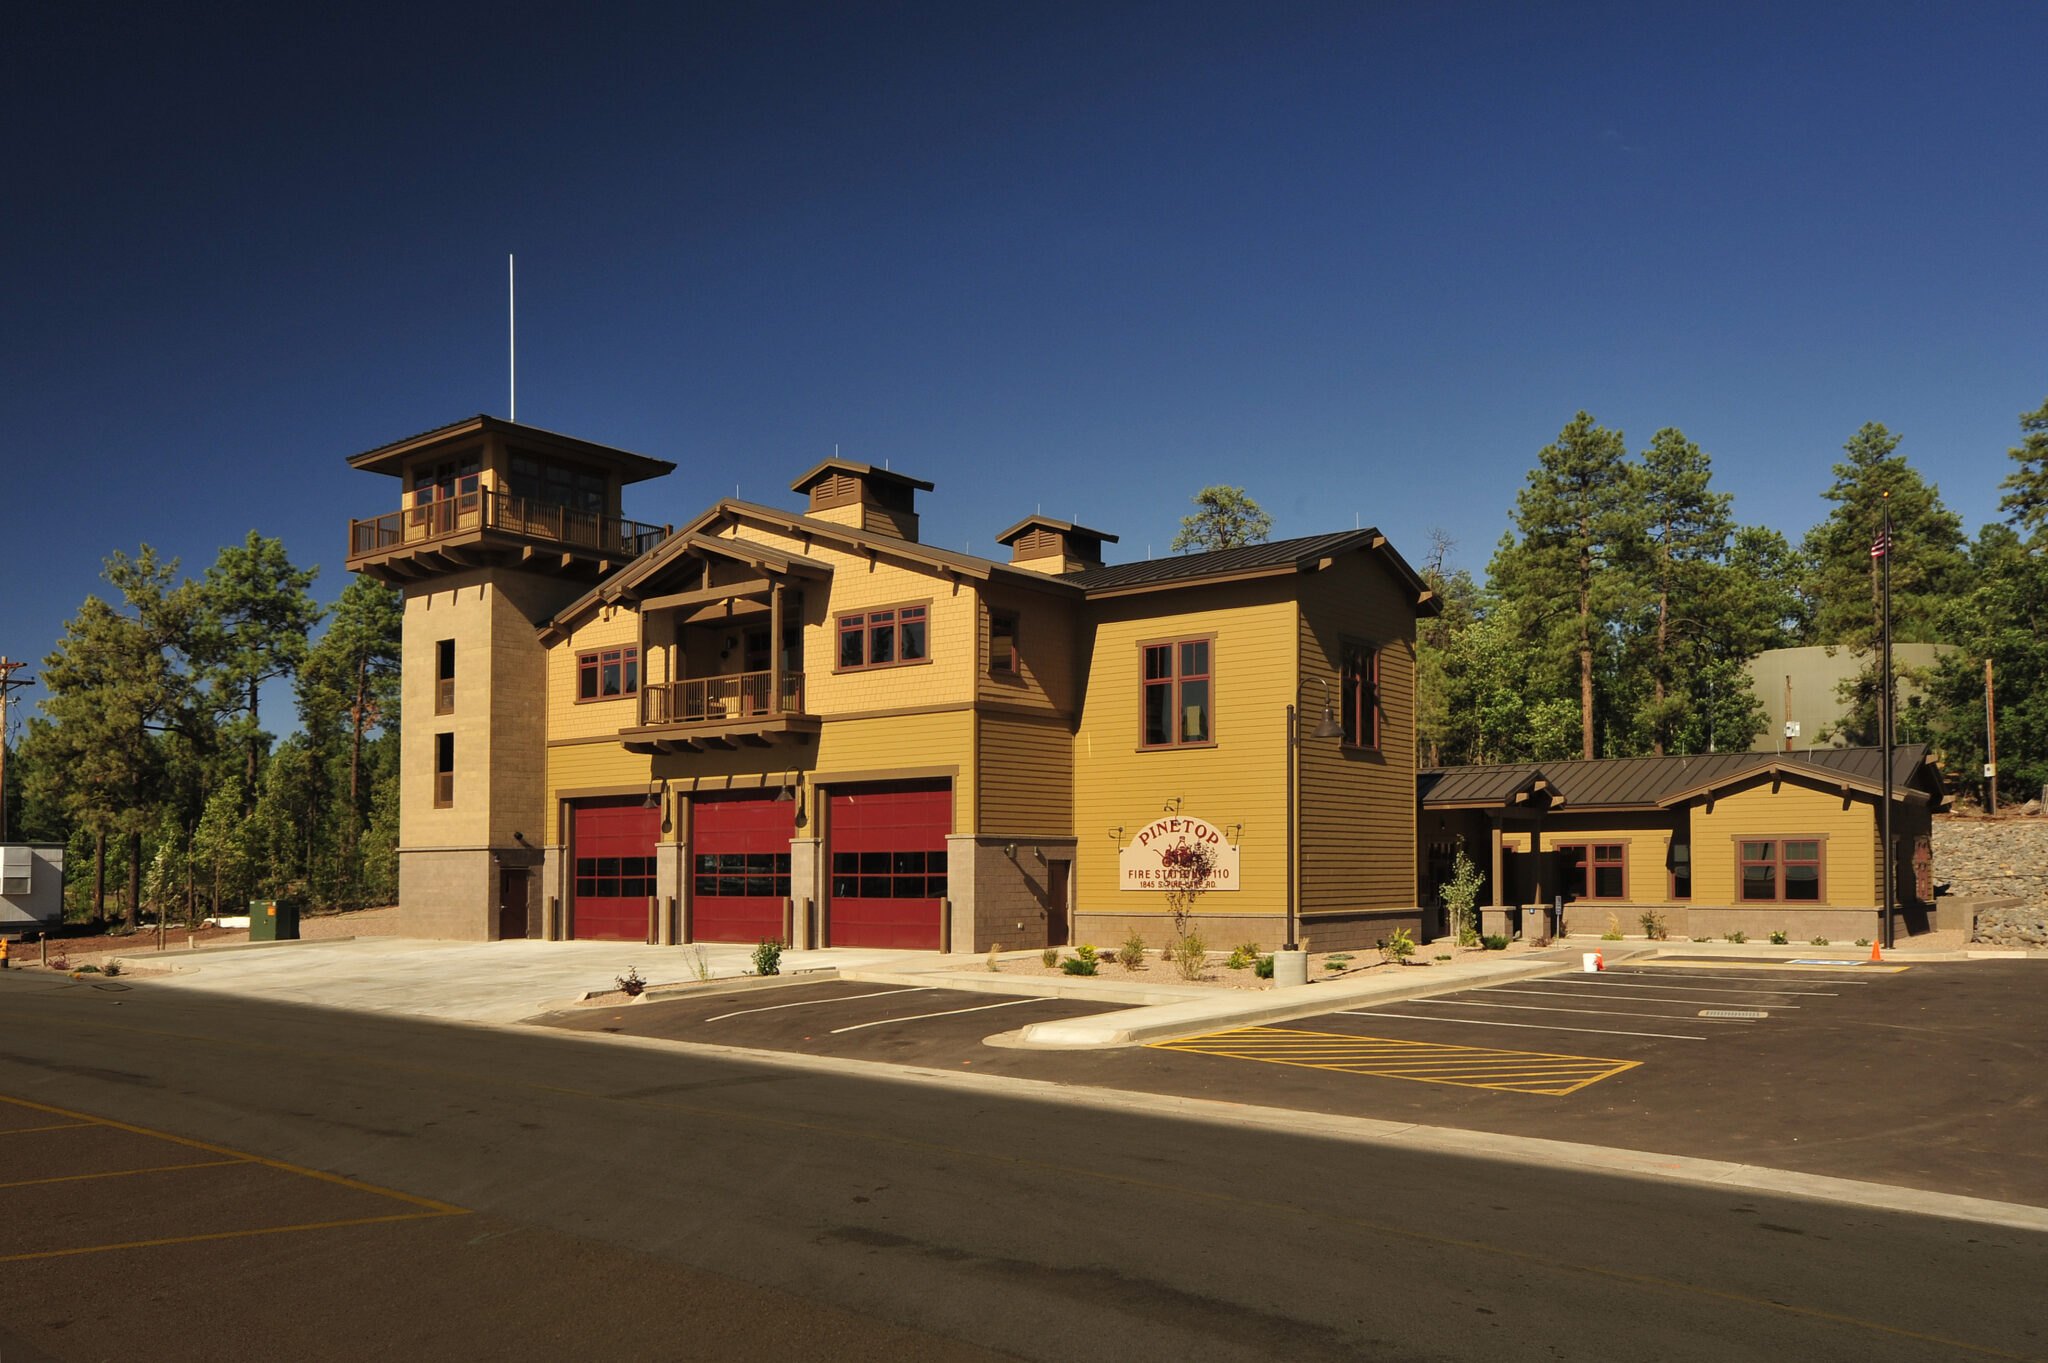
(1167, 1022)
(1527, 1151)
(193, 953)
(1084, 989)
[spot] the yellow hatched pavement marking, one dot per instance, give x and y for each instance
(1425, 1061)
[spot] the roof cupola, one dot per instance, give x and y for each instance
(1045, 545)
(864, 497)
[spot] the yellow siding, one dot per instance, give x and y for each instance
(1357, 806)
(1239, 780)
(1849, 878)
(903, 743)
(1646, 840)
(1027, 781)
(605, 627)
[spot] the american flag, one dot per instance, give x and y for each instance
(1882, 545)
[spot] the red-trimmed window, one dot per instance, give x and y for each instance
(1002, 644)
(1361, 691)
(606, 674)
(885, 638)
(1178, 699)
(1785, 869)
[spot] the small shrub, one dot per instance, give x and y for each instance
(1263, 967)
(700, 962)
(1860, 941)
(768, 957)
(1738, 936)
(111, 968)
(1613, 933)
(1083, 962)
(993, 965)
(1242, 955)
(1653, 925)
(1336, 963)
(631, 982)
(1131, 955)
(1818, 942)
(1494, 942)
(60, 963)
(1190, 958)
(1778, 939)
(1398, 948)
(94, 970)
(1443, 958)
(1049, 958)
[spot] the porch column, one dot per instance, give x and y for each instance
(775, 647)
(1493, 919)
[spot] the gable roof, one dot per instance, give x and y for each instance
(867, 471)
(1660, 782)
(622, 584)
(1048, 523)
(1251, 560)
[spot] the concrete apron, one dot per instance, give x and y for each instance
(1214, 1013)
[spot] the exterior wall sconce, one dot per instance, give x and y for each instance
(1116, 835)
(1010, 850)
(656, 796)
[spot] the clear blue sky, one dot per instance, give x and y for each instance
(1363, 259)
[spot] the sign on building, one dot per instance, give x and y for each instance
(1178, 852)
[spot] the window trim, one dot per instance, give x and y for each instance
(866, 617)
(593, 659)
(1587, 845)
(1345, 643)
(444, 769)
(1015, 670)
(1777, 842)
(1175, 642)
(1671, 894)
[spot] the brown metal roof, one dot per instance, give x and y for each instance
(390, 458)
(868, 471)
(1277, 556)
(1647, 782)
(1048, 523)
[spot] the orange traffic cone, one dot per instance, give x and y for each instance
(1873, 951)
(1599, 961)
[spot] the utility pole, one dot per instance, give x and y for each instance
(8, 683)
(1990, 740)
(1788, 712)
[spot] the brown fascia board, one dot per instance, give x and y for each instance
(867, 471)
(1425, 600)
(1175, 584)
(1064, 527)
(945, 560)
(1806, 773)
(633, 468)
(616, 589)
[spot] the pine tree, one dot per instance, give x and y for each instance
(255, 611)
(2027, 503)
(1686, 533)
(348, 687)
(1226, 518)
(1927, 540)
(1576, 518)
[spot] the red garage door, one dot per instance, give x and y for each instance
(739, 866)
(614, 846)
(889, 863)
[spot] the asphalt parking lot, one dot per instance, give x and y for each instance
(1927, 1076)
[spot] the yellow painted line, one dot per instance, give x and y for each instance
(60, 1126)
(86, 1119)
(231, 1234)
(1005, 1159)
(1427, 1062)
(1859, 967)
(123, 1173)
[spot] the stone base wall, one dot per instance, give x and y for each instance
(1000, 900)
(451, 896)
(1992, 858)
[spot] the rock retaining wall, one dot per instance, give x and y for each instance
(2004, 859)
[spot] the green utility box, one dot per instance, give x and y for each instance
(273, 920)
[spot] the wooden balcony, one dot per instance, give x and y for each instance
(738, 710)
(486, 529)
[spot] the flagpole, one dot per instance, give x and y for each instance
(1890, 855)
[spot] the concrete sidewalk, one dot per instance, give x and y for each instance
(487, 982)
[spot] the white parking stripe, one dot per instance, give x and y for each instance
(1531, 1026)
(1594, 982)
(979, 1008)
(837, 998)
(1540, 1008)
(1860, 984)
(1621, 998)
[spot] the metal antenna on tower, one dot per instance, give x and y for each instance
(512, 335)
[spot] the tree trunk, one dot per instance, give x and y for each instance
(99, 878)
(251, 777)
(1663, 628)
(1586, 647)
(134, 905)
(355, 757)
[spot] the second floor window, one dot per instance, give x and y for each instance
(884, 638)
(1178, 700)
(1361, 689)
(608, 673)
(444, 771)
(444, 677)
(1002, 644)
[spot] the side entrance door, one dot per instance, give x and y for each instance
(889, 863)
(1057, 929)
(739, 865)
(612, 842)
(512, 902)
